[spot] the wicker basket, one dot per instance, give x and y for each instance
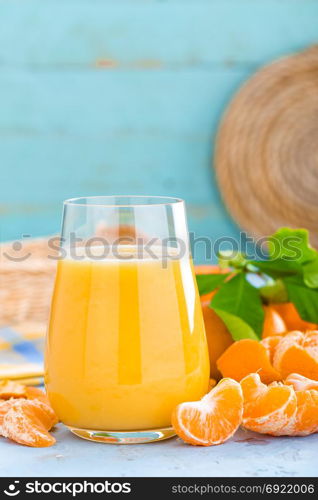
(26, 281)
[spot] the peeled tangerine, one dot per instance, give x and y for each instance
(306, 418)
(297, 352)
(26, 415)
(28, 422)
(214, 418)
(289, 408)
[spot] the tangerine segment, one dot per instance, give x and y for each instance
(244, 357)
(38, 397)
(36, 393)
(270, 344)
(28, 422)
(273, 323)
(5, 405)
(10, 389)
(214, 418)
(268, 409)
(49, 416)
(297, 352)
(306, 418)
(301, 383)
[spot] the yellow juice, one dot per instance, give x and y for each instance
(126, 342)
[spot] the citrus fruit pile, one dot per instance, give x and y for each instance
(269, 386)
(26, 415)
(288, 408)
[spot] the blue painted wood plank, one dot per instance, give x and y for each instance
(125, 96)
(132, 132)
(50, 169)
(154, 33)
(101, 104)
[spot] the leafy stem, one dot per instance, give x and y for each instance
(289, 274)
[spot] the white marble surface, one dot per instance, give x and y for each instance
(246, 454)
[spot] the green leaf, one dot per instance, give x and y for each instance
(209, 282)
(239, 329)
(291, 244)
(305, 299)
(278, 268)
(310, 271)
(238, 298)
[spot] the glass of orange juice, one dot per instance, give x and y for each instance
(126, 340)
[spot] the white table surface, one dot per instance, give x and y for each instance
(246, 454)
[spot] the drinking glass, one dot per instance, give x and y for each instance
(126, 340)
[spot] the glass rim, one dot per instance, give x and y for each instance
(165, 200)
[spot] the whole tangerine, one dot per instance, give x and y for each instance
(291, 317)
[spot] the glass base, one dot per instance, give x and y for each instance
(124, 437)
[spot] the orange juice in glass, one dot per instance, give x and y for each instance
(126, 340)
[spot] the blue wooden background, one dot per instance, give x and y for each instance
(124, 96)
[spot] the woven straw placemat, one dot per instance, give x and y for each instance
(266, 155)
